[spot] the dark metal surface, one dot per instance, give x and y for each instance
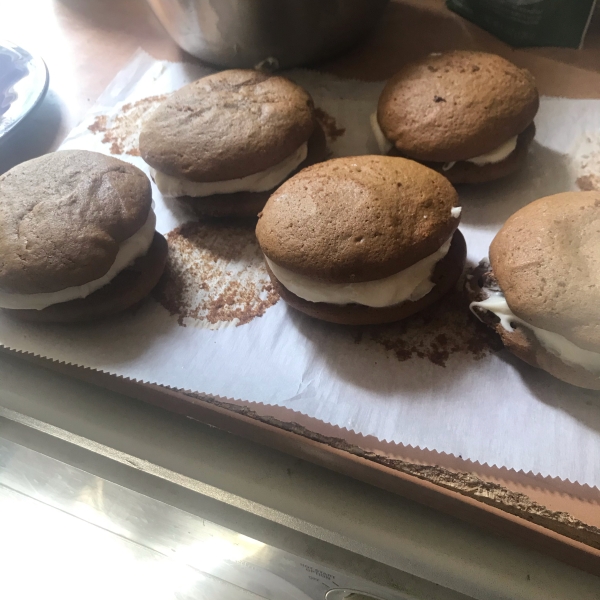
(72, 525)
(29, 85)
(287, 33)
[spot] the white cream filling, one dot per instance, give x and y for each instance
(494, 156)
(129, 250)
(555, 343)
(410, 284)
(383, 143)
(497, 155)
(257, 182)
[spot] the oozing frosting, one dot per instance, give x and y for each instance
(129, 250)
(555, 343)
(411, 284)
(257, 182)
(497, 154)
(383, 143)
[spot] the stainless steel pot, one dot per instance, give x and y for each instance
(287, 33)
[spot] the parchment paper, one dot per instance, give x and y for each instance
(433, 382)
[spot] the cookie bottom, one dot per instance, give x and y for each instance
(445, 276)
(128, 288)
(470, 173)
(523, 343)
(241, 205)
(244, 205)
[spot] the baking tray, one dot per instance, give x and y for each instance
(488, 505)
(450, 488)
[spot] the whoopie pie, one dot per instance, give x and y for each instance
(77, 237)
(223, 143)
(540, 289)
(363, 240)
(468, 115)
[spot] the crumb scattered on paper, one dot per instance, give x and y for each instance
(215, 276)
(588, 183)
(435, 334)
(587, 163)
(99, 124)
(121, 131)
(329, 125)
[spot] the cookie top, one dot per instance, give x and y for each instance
(226, 126)
(546, 259)
(63, 217)
(456, 105)
(359, 218)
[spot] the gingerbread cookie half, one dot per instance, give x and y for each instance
(77, 237)
(225, 142)
(468, 115)
(363, 240)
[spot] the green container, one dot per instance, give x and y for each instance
(523, 23)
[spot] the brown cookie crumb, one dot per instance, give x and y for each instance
(99, 124)
(435, 334)
(329, 125)
(586, 162)
(588, 183)
(121, 131)
(215, 276)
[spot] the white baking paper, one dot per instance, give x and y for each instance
(483, 406)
